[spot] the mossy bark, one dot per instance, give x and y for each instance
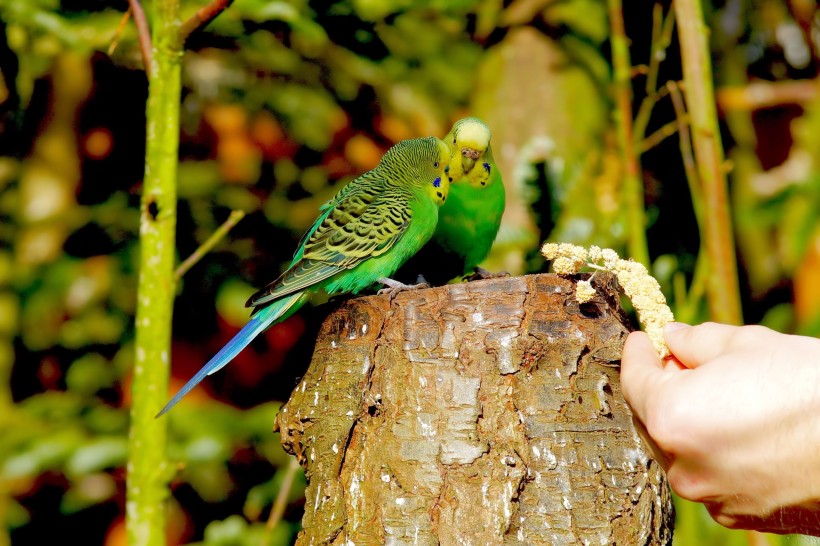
(480, 413)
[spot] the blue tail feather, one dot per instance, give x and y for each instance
(255, 326)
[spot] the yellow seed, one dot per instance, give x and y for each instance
(584, 291)
(643, 289)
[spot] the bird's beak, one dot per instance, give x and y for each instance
(468, 157)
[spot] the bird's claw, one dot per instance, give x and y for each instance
(481, 274)
(393, 287)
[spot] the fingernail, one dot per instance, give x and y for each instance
(674, 327)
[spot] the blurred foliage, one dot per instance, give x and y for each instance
(283, 103)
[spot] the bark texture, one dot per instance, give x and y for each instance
(480, 413)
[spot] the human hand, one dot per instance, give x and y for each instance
(734, 417)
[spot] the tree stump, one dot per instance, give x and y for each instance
(480, 413)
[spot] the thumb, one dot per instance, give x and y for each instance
(641, 371)
(697, 345)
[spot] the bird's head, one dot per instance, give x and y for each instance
(420, 163)
(469, 142)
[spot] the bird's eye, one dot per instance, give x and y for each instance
(435, 164)
(454, 140)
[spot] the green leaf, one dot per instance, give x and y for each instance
(88, 491)
(98, 454)
(16, 514)
(228, 532)
(90, 373)
(42, 455)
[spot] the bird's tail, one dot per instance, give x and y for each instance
(277, 311)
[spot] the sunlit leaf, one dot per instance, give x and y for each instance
(87, 491)
(43, 454)
(98, 454)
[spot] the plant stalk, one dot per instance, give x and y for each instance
(722, 284)
(633, 186)
(148, 467)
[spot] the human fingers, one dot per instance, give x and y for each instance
(641, 374)
(696, 345)
(641, 371)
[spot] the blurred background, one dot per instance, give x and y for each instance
(282, 104)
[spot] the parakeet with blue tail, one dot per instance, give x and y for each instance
(361, 237)
(468, 222)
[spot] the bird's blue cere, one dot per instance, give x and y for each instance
(437, 182)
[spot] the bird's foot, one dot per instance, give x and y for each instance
(393, 287)
(481, 274)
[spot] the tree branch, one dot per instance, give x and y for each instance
(115, 41)
(661, 38)
(281, 501)
(633, 186)
(202, 17)
(143, 32)
(685, 143)
(722, 289)
(659, 135)
(205, 247)
(766, 94)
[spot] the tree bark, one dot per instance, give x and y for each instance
(479, 413)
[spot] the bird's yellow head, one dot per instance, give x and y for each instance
(420, 163)
(470, 152)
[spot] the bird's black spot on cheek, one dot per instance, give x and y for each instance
(451, 178)
(483, 183)
(439, 194)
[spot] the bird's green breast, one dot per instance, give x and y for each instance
(469, 220)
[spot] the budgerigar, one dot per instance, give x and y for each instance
(361, 237)
(469, 221)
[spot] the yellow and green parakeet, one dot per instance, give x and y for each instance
(469, 221)
(361, 237)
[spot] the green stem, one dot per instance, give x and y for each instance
(633, 186)
(209, 243)
(659, 136)
(148, 467)
(281, 501)
(722, 285)
(661, 38)
(689, 163)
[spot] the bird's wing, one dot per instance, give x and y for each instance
(361, 226)
(362, 187)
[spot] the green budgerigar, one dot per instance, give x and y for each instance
(468, 222)
(361, 237)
